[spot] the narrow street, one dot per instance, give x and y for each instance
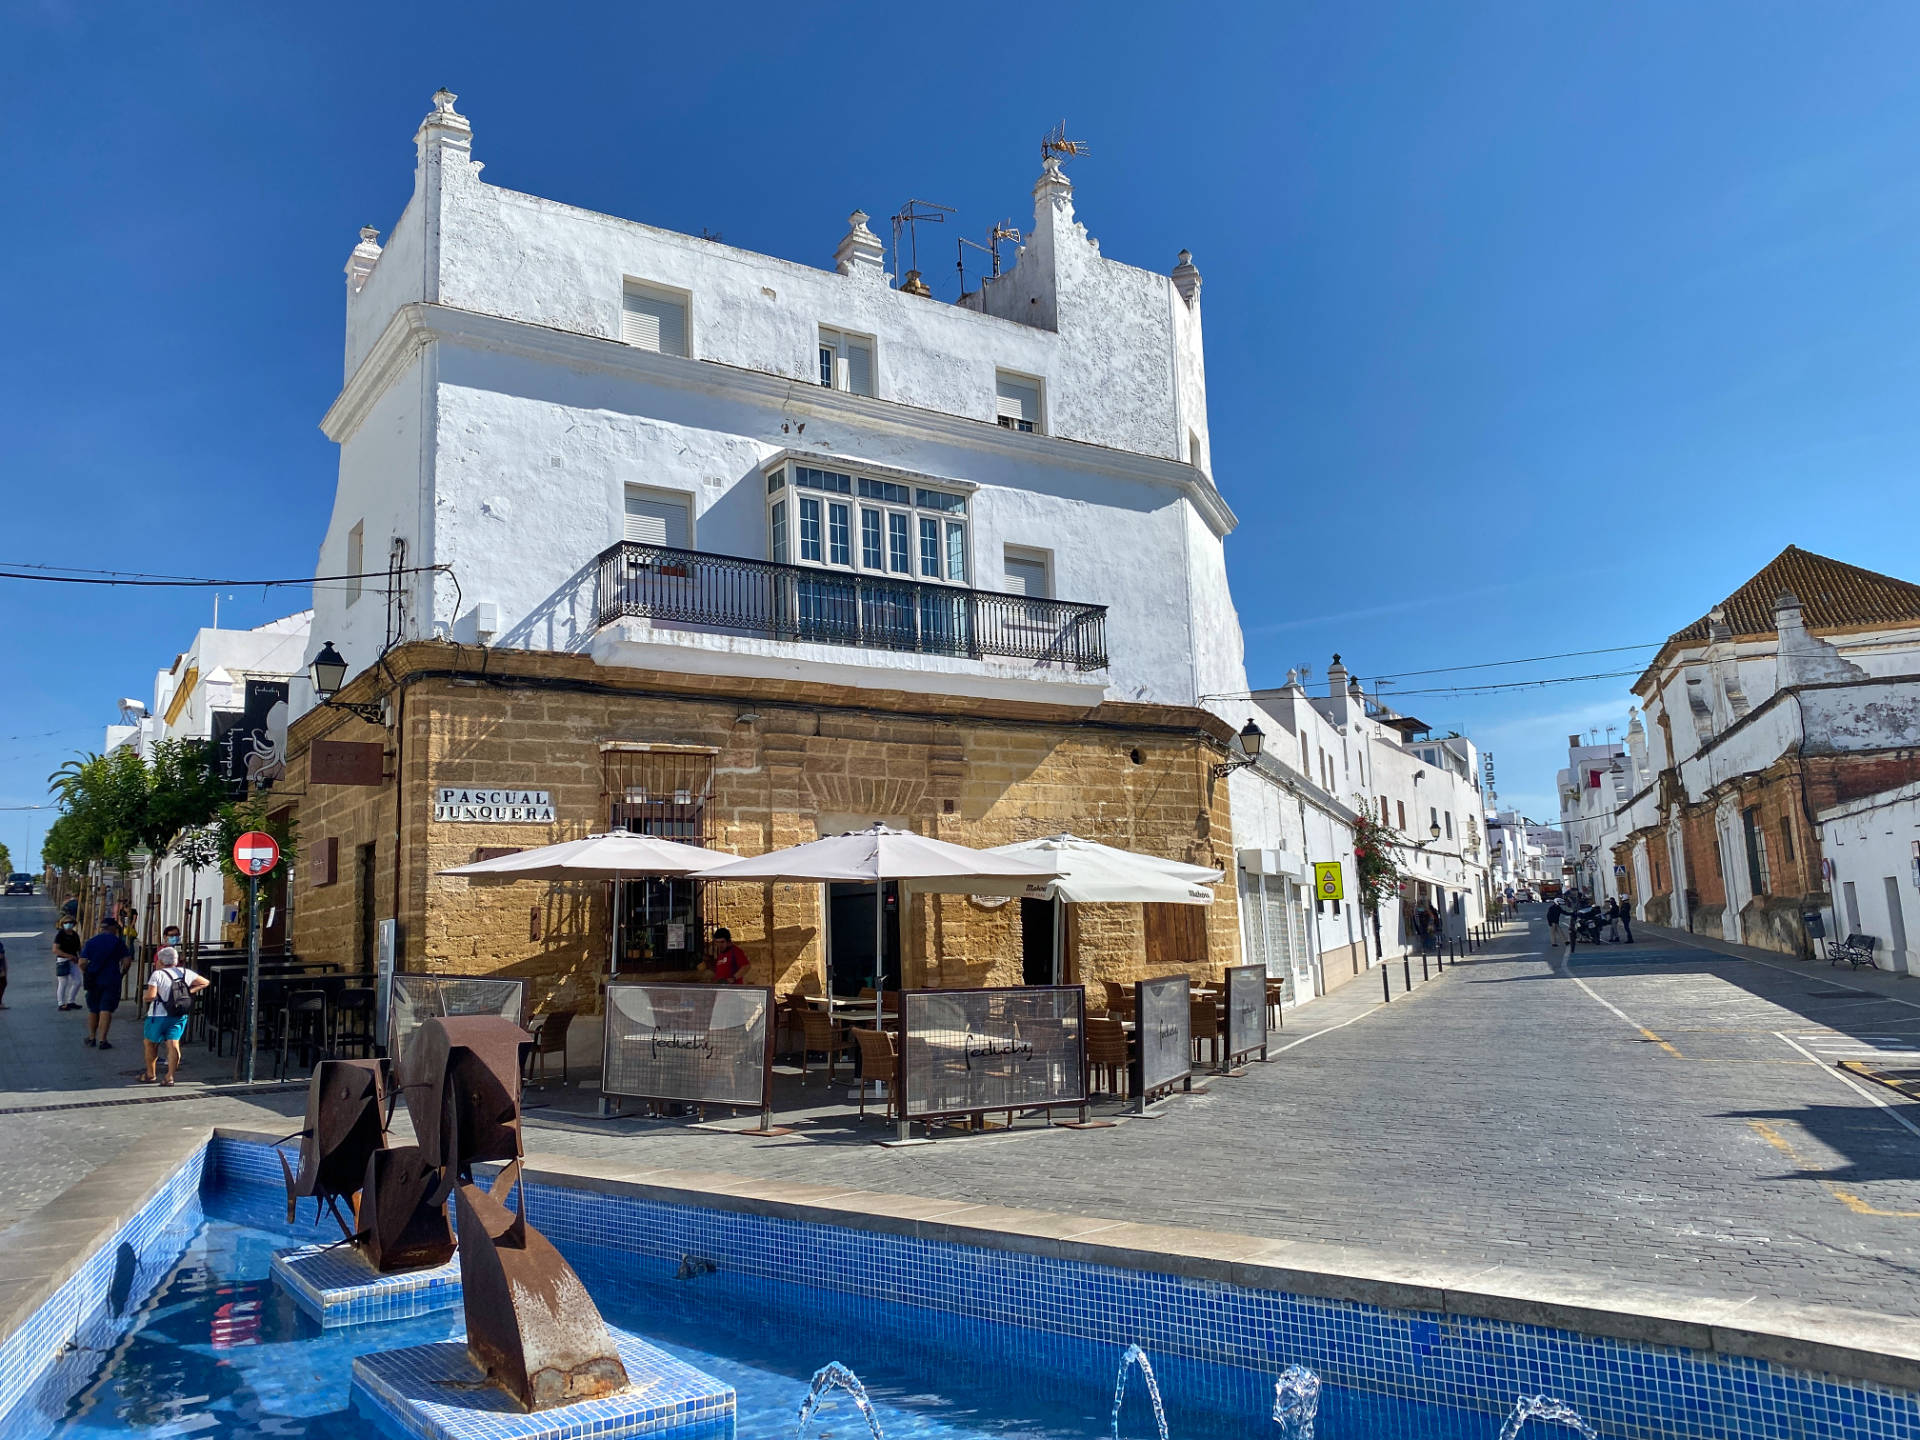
(1655, 1118)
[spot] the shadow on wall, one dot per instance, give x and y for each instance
(565, 620)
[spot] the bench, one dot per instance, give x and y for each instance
(1856, 950)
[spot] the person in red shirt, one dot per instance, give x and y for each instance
(729, 960)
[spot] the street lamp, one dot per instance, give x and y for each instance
(1252, 737)
(328, 672)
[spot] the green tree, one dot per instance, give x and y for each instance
(120, 804)
(6, 861)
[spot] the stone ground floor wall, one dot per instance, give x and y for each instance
(1784, 799)
(788, 762)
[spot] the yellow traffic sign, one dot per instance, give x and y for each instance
(1327, 884)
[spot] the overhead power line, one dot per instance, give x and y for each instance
(1495, 687)
(1527, 660)
(111, 577)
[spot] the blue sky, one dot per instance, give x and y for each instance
(1530, 328)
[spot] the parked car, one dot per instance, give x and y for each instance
(20, 885)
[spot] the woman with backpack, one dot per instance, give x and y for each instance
(169, 999)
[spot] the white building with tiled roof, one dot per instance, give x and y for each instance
(1796, 696)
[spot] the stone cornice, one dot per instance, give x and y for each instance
(418, 324)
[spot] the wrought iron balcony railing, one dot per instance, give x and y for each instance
(732, 595)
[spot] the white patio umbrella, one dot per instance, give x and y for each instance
(604, 857)
(881, 853)
(618, 856)
(1096, 874)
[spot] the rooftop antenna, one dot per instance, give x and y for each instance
(1005, 230)
(911, 214)
(1057, 143)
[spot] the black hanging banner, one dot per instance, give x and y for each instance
(252, 745)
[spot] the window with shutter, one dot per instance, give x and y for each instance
(1025, 574)
(653, 319)
(1279, 927)
(846, 361)
(1018, 401)
(657, 519)
(1253, 921)
(356, 558)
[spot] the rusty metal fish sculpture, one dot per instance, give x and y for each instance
(531, 1325)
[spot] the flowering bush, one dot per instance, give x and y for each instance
(1377, 872)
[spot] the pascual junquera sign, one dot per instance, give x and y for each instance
(524, 806)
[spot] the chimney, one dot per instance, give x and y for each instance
(914, 285)
(1336, 679)
(1573, 742)
(860, 252)
(1186, 279)
(1801, 658)
(364, 257)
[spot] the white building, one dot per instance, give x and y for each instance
(1795, 697)
(204, 696)
(1872, 846)
(1593, 788)
(1327, 757)
(528, 385)
(564, 431)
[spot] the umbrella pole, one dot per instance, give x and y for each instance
(879, 952)
(613, 926)
(1059, 938)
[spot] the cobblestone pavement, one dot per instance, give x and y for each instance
(63, 1109)
(1660, 1117)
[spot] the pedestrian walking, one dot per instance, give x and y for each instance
(1611, 918)
(66, 967)
(103, 962)
(169, 996)
(1553, 920)
(1626, 918)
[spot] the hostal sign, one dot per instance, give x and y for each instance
(495, 806)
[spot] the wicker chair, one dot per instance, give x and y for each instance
(822, 1033)
(1119, 1000)
(1107, 1051)
(879, 1062)
(1205, 1020)
(549, 1038)
(1276, 995)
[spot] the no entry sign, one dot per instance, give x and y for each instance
(255, 853)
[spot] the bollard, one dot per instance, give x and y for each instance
(1386, 987)
(1406, 970)
(1424, 977)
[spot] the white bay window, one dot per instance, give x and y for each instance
(864, 524)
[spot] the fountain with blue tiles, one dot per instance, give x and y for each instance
(946, 1344)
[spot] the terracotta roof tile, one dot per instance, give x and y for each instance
(1833, 596)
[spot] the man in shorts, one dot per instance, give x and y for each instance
(169, 1004)
(103, 960)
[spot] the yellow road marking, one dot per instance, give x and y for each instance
(1839, 1192)
(1661, 1043)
